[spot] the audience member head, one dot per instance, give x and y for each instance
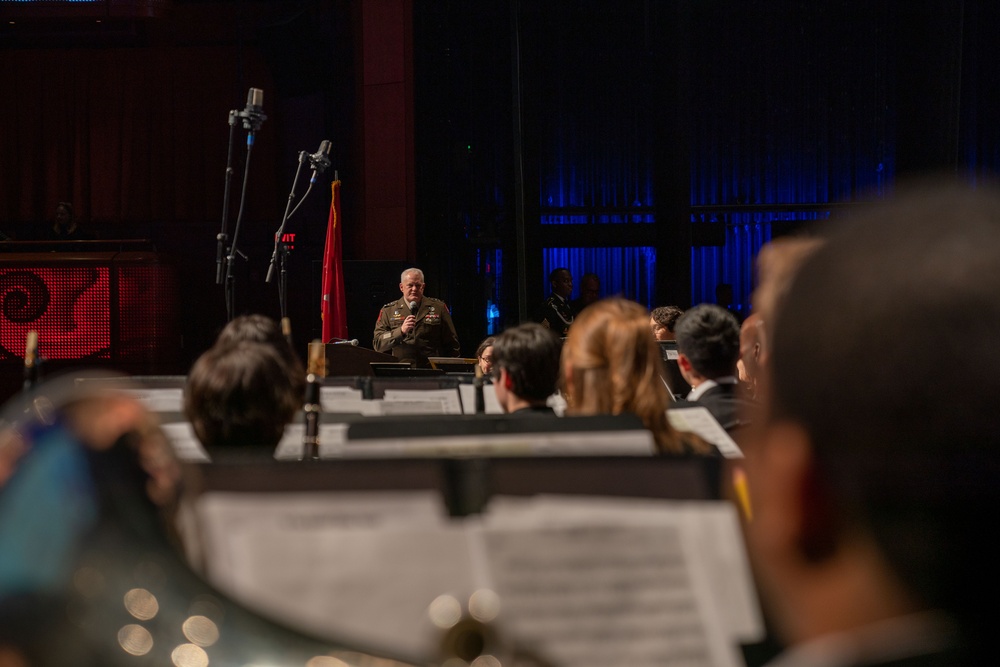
(708, 343)
(869, 483)
(663, 320)
(525, 366)
(484, 355)
(611, 365)
(750, 351)
(240, 394)
(64, 214)
(561, 282)
(777, 263)
(262, 329)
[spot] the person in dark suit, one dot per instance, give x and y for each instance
(526, 369)
(871, 535)
(415, 327)
(708, 347)
(556, 313)
(590, 292)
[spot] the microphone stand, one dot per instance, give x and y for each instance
(280, 249)
(221, 237)
(230, 278)
(252, 117)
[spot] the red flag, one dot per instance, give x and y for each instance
(334, 308)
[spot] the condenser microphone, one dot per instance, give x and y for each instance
(253, 114)
(320, 160)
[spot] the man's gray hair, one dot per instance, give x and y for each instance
(402, 276)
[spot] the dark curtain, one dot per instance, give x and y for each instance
(792, 106)
(127, 135)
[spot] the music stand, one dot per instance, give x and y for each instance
(400, 369)
(454, 364)
(672, 377)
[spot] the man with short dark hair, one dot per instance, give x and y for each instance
(872, 487)
(556, 313)
(708, 347)
(526, 368)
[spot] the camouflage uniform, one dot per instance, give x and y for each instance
(433, 335)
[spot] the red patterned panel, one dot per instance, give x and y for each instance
(147, 305)
(68, 306)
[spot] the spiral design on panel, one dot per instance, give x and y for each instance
(24, 296)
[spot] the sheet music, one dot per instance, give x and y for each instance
(701, 422)
(185, 443)
(332, 438)
(584, 581)
(448, 399)
(341, 399)
(159, 400)
(468, 393)
(588, 583)
(363, 566)
(710, 531)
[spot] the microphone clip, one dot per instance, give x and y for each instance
(253, 118)
(320, 160)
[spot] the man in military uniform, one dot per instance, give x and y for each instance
(415, 327)
(556, 313)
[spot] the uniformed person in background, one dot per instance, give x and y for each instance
(415, 327)
(556, 313)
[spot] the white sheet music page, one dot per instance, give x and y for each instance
(701, 422)
(490, 403)
(159, 399)
(341, 399)
(184, 442)
(332, 438)
(448, 399)
(581, 580)
(600, 582)
(359, 566)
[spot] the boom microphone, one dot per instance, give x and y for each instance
(320, 160)
(253, 114)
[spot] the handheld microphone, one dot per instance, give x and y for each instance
(413, 307)
(253, 114)
(320, 160)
